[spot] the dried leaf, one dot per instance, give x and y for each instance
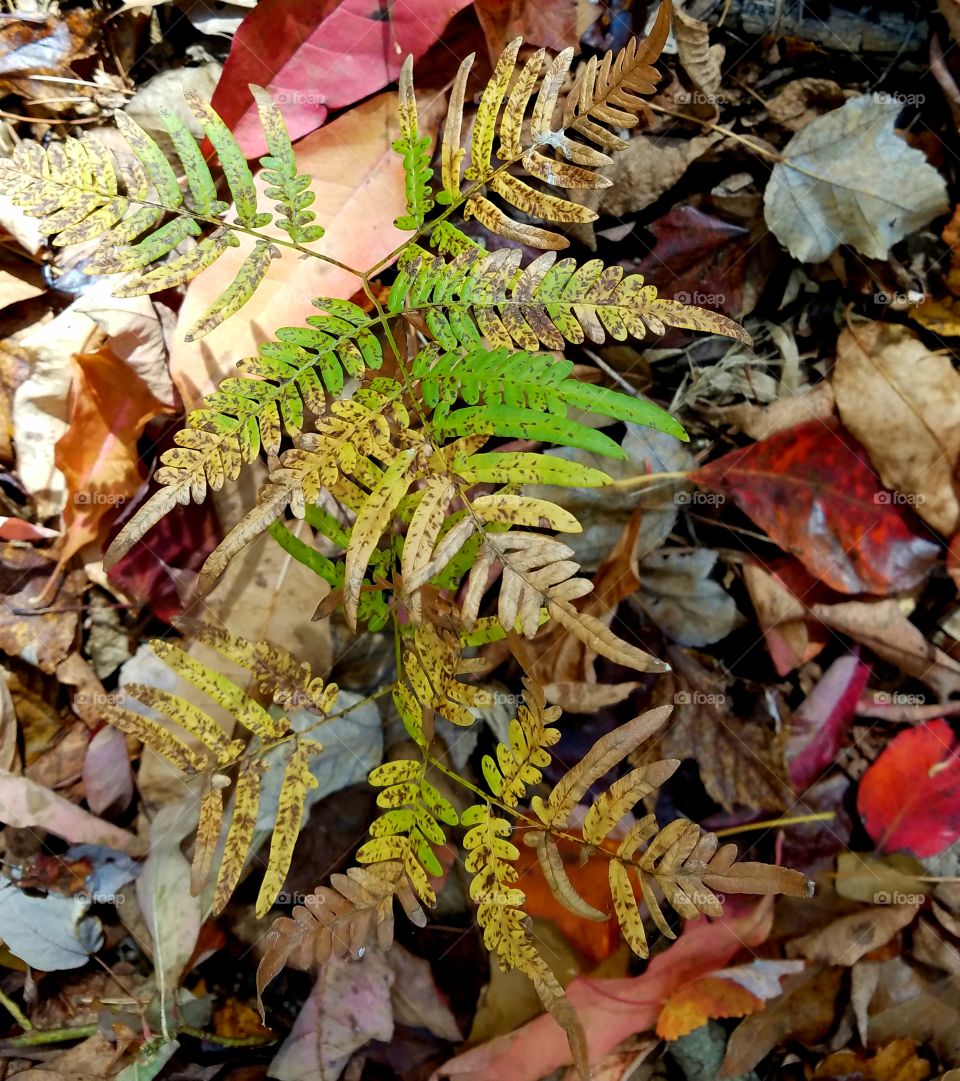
(847, 178)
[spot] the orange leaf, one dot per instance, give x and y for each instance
(698, 1002)
(110, 406)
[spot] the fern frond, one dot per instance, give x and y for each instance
(678, 863)
(535, 382)
(206, 747)
(290, 189)
(604, 96)
(520, 764)
(335, 456)
(549, 301)
(490, 859)
(289, 377)
(344, 919)
(411, 826)
(74, 188)
(432, 665)
(289, 682)
(414, 149)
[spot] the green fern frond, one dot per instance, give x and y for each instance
(290, 189)
(536, 382)
(74, 188)
(604, 96)
(288, 378)
(549, 302)
(414, 149)
(411, 825)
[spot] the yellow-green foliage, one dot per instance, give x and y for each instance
(399, 475)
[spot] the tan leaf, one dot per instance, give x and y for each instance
(902, 402)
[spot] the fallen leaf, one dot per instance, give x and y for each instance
(883, 627)
(740, 760)
(813, 491)
(902, 402)
(109, 408)
(817, 728)
(107, 777)
(847, 178)
(417, 1001)
(909, 799)
(610, 1010)
(642, 173)
(780, 592)
(27, 804)
(39, 629)
(701, 60)
(762, 421)
(49, 933)
(846, 940)
(873, 879)
(358, 218)
(318, 55)
(799, 101)
(806, 1012)
(553, 25)
(169, 910)
(678, 594)
(349, 1006)
(731, 992)
(898, 1061)
(698, 258)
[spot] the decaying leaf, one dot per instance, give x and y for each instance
(847, 178)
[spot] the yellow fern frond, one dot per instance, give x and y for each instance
(605, 95)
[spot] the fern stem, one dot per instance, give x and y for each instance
(38, 1036)
(647, 478)
(14, 1010)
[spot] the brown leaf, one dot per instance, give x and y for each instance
(902, 402)
(806, 1012)
(849, 938)
(882, 626)
(741, 761)
(110, 406)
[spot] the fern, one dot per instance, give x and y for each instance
(488, 295)
(423, 521)
(202, 746)
(604, 95)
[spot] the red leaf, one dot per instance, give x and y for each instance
(818, 727)
(813, 490)
(909, 799)
(318, 55)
